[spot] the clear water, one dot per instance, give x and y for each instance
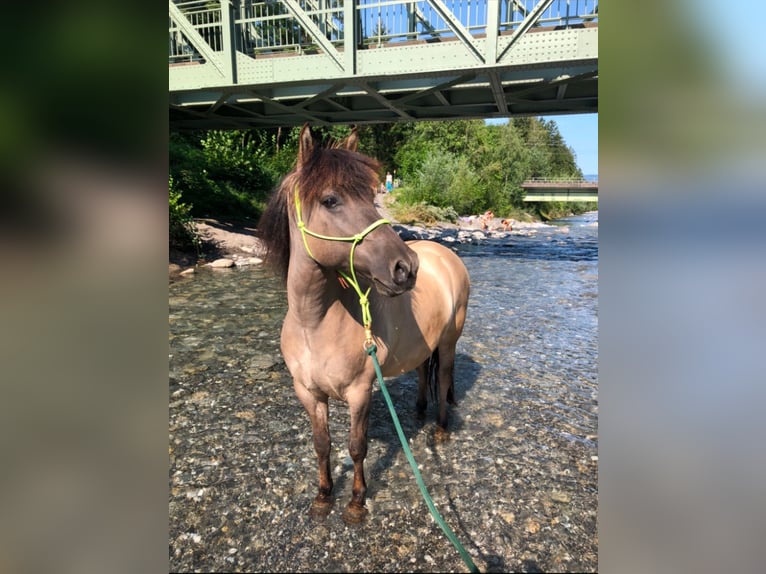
(517, 481)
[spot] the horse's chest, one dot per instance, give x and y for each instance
(325, 361)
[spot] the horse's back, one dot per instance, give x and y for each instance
(443, 264)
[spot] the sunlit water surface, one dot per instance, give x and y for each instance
(517, 481)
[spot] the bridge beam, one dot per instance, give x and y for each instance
(560, 195)
(462, 34)
(316, 34)
(560, 190)
(530, 19)
(323, 65)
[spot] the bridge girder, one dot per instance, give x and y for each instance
(532, 69)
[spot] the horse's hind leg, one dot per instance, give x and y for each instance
(422, 402)
(317, 410)
(428, 376)
(446, 383)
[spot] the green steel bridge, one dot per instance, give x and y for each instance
(271, 63)
(560, 190)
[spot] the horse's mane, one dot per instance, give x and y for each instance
(347, 172)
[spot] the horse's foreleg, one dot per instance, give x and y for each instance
(317, 410)
(359, 408)
(322, 442)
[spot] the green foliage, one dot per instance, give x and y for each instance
(558, 209)
(182, 233)
(446, 180)
(446, 168)
(422, 213)
(382, 141)
(223, 174)
(431, 181)
(474, 167)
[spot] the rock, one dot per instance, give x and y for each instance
(249, 261)
(509, 517)
(189, 271)
(562, 497)
(532, 526)
(222, 263)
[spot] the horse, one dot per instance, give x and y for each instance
(321, 232)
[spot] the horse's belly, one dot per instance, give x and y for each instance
(403, 358)
(432, 314)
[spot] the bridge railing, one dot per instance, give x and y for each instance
(205, 18)
(270, 26)
(558, 181)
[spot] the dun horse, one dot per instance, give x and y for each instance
(322, 232)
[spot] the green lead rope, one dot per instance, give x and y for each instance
(423, 490)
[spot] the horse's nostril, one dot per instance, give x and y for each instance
(401, 273)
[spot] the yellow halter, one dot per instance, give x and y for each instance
(355, 240)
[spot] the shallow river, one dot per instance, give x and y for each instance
(517, 481)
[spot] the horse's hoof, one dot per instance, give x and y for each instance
(320, 508)
(441, 434)
(354, 514)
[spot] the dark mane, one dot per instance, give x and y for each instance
(346, 172)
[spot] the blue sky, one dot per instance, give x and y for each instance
(580, 132)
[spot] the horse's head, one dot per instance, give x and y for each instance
(333, 194)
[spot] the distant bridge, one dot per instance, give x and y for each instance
(560, 190)
(271, 63)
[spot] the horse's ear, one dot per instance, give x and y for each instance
(352, 140)
(305, 144)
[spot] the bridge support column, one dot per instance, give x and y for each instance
(350, 31)
(229, 41)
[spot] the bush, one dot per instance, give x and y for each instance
(466, 193)
(446, 181)
(431, 181)
(183, 234)
(221, 174)
(422, 213)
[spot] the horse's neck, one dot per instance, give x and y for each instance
(311, 291)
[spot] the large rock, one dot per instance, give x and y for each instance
(222, 263)
(249, 261)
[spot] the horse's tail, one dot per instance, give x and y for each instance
(432, 374)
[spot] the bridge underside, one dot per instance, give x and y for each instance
(494, 92)
(561, 195)
(522, 68)
(560, 190)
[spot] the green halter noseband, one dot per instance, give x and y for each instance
(355, 240)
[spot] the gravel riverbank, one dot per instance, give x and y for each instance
(517, 481)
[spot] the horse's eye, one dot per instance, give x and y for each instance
(330, 201)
